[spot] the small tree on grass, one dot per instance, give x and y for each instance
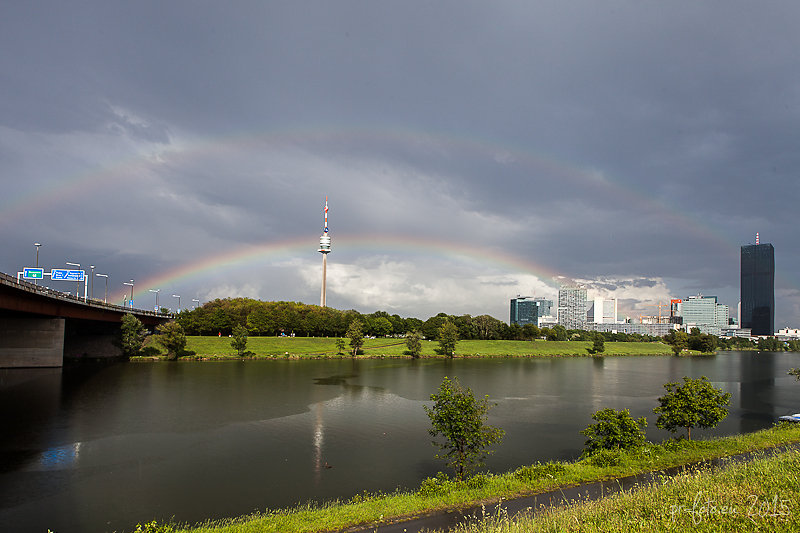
(340, 345)
(460, 420)
(355, 332)
(448, 337)
(696, 403)
(598, 344)
(132, 335)
(613, 430)
(172, 338)
(239, 340)
(414, 343)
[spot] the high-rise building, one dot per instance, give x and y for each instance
(758, 288)
(527, 310)
(602, 311)
(572, 307)
(704, 312)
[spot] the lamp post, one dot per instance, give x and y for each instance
(130, 283)
(105, 300)
(91, 295)
(196, 300)
(37, 245)
(77, 284)
(179, 301)
(155, 291)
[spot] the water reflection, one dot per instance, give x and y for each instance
(271, 434)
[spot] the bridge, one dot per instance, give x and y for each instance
(41, 327)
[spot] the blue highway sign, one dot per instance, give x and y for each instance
(67, 275)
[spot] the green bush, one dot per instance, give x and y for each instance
(605, 458)
(439, 484)
(538, 471)
(478, 481)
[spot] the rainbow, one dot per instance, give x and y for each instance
(278, 251)
(146, 162)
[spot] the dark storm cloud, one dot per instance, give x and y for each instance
(618, 140)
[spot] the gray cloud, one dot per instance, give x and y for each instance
(600, 141)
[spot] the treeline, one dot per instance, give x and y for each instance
(275, 318)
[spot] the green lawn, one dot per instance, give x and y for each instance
(308, 347)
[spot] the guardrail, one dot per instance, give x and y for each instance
(27, 286)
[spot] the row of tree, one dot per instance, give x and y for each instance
(261, 318)
(459, 421)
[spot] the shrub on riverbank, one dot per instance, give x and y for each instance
(532, 479)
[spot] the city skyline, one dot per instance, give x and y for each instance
(472, 151)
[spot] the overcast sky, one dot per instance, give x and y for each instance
(470, 151)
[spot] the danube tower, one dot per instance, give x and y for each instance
(324, 249)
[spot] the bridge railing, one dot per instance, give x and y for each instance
(5, 279)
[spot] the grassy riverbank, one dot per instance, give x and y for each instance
(321, 347)
(761, 495)
(441, 494)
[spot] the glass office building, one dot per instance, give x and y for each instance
(527, 310)
(758, 289)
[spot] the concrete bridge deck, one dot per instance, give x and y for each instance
(41, 326)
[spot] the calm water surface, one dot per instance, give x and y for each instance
(102, 448)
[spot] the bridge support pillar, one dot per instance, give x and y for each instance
(31, 342)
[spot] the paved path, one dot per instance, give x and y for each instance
(443, 520)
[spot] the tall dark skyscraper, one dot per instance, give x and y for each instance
(758, 288)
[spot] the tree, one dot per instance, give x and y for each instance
(448, 337)
(460, 420)
(696, 403)
(355, 333)
(340, 345)
(172, 338)
(770, 344)
(598, 345)
(557, 333)
(132, 335)
(613, 430)
(794, 372)
(414, 343)
(239, 340)
(530, 332)
(679, 341)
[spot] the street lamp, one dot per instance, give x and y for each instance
(179, 301)
(78, 283)
(130, 283)
(92, 283)
(37, 245)
(155, 291)
(105, 300)
(196, 300)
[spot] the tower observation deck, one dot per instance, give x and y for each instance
(324, 249)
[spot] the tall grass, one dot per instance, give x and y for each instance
(762, 495)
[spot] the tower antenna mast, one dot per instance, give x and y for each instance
(324, 249)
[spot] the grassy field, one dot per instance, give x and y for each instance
(442, 494)
(309, 347)
(762, 495)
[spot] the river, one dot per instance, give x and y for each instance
(100, 448)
